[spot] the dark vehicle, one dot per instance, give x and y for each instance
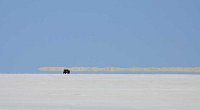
(66, 71)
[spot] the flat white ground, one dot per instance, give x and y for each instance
(99, 92)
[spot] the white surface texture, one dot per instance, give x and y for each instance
(99, 92)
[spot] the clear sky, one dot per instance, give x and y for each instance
(98, 33)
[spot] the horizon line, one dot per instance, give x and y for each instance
(120, 69)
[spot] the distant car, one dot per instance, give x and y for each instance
(66, 71)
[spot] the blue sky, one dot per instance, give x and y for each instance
(98, 33)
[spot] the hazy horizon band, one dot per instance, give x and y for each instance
(118, 69)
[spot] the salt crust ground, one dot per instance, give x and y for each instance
(99, 92)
